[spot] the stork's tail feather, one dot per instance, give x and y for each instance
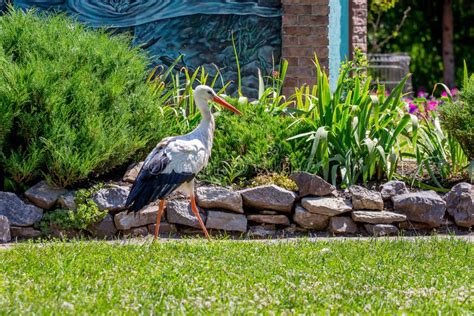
(149, 188)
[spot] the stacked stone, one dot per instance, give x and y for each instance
(261, 211)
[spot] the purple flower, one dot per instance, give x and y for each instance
(413, 108)
(432, 105)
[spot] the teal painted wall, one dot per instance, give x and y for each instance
(338, 37)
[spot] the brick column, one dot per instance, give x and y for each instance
(304, 32)
(358, 25)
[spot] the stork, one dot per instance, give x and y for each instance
(175, 161)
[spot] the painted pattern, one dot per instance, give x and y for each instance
(200, 31)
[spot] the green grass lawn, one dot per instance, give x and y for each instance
(232, 277)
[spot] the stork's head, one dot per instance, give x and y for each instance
(203, 94)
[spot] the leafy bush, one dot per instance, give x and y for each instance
(74, 102)
(253, 143)
(86, 213)
(458, 117)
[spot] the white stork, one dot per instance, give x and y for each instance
(176, 160)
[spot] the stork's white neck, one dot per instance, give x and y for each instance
(205, 130)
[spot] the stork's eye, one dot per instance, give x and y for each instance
(209, 92)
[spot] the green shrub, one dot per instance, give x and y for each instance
(74, 101)
(458, 117)
(253, 143)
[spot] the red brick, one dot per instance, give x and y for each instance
(289, 39)
(297, 51)
(292, 2)
(293, 61)
(313, 20)
(297, 9)
(320, 10)
(297, 30)
(312, 40)
(289, 19)
(301, 72)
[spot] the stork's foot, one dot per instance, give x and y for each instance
(196, 213)
(161, 207)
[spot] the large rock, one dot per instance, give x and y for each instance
(179, 212)
(460, 204)
(24, 232)
(329, 206)
(18, 212)
(381, 229)
(43, 195)
(5, 235)
(364, 199)
(269, 219)
(111, 198)
(269, 197)
(126, 220)
(309, 184)
(342, 225)
(219, 198)
(310, 220)
(132, 172)
(103, 229)
(392, 188)
(68, 201)
(377, 217)
(226, 221)
(424, 207)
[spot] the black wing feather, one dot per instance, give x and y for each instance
(151, 184)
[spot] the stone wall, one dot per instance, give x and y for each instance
(258, 212)
(304, 32)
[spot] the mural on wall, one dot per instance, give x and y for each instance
(200, 31)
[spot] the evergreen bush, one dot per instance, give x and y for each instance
(74, 102)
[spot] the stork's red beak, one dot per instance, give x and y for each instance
(226, 105)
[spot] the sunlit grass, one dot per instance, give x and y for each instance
(233, 277)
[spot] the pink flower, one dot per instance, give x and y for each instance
(422, 94)
(413, 108)
(444, 94)
(454, 91)
(432, 105)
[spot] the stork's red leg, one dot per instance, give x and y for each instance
(196, 213)
(161, 207)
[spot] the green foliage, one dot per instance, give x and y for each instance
(458, 118)
(379, 6)
(86, 213)
(356, 137)
(73, 101)
(253, 143)
(355, 68)
(350, 277)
